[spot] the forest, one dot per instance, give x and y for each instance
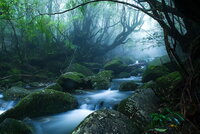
(99, 67)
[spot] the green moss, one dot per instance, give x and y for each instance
(19, 84)
(115, 65)
(150, 84)
(102, 80)
(55, 87)
(71, 80)
(137, 71)
(41, 103)
(124, 75)
(153, 72)
(80, 69)
(15, 93)
(128, 86)
(169, 81)
(159, 61)
(12, 126)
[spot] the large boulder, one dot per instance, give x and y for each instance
(12, 126)
(15, 93)
(71, 81)
(80, 69)
(116, 66)
(153, 72)
(140, 106)
(169, 86)
(128, 86)
(41, 103)
(101, 80)
(106, 122)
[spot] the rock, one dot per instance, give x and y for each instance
(124, 75)
(116, 66)
(139, 106)
(169, 85)
(137, 71)
(159, 61)
(153, 72)
(56, 87)
(149, 84)
(15, 93)
(106, 122)
(102, 80)
(12, 126)
(71, 81)
(41, 103)
(128, 86)
(80, 69)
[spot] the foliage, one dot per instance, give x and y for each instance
(164, 122)
(153, 72)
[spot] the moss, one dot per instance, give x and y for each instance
(150, 84)
(128, 86)
(71, 80)
(80, 69)
(19, 84)
(15, 93)
(169, 86)
(102, 80)
(41, 103)
(137, 71)
(169, 81)
(55, 87)
(124, 75)
(12, 126)
(115, 65)
(153, 72)
(159, 61)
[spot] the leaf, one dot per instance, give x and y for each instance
(161, 130)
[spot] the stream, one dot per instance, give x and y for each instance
(89, 101)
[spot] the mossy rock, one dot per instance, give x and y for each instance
(124, 75)
(116, 66)
(140, 106)
(159, 61)
(128, 86)
(80, 69)
(169, 85)
(56, 87)
(153, 72)
(106, 122)
(71, 81)
(149, 84)
(15, 93)
(12, 126)
(41, 103)
(102, 80)
(137, 71)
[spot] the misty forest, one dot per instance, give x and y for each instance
(99, 67)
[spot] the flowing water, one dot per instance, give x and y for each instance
(89, 101)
